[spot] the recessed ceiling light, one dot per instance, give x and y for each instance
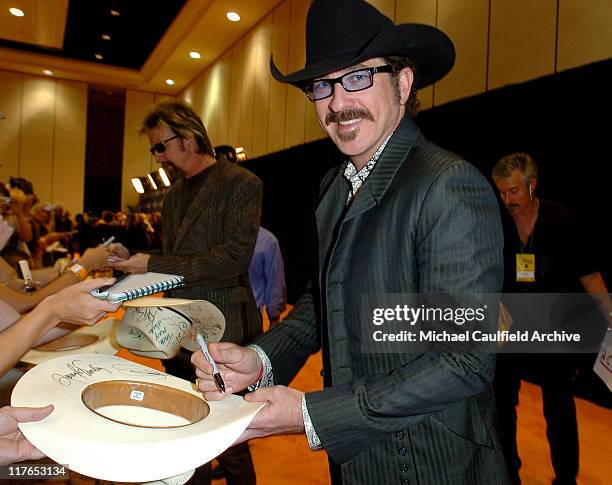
(170, 82)
(233, 16)
(48, 72)
(194, 55)
(115, 13)
(99, 56)
(106, 37)
(16, 12)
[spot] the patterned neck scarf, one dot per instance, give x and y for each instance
(358, 178)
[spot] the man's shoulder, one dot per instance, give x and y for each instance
(235, 173)
(433, 162)
(437, 159)
(554, 214)
(266, 238)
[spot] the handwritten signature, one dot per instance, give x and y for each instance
(137, 370)
(146, 314)
(78, 373)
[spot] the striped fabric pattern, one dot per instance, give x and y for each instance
(212, 244)
(423, 221)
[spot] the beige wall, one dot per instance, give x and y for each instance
(498, 42)
(43, 136)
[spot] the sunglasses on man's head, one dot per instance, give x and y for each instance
(161, 146)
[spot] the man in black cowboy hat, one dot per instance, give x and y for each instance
(400, 216)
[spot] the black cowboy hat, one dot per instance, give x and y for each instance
(342, 33)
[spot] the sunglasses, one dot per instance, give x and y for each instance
(161, 146)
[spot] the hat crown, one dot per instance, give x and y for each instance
(345, 33)
(341, 29)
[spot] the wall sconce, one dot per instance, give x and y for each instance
(241, 154)
(164, 177)
(151, 181)
(137, 184)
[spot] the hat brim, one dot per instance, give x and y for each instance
(430, 49)
(94, 339)
(91, 443)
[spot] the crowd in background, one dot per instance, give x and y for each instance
(45, 232)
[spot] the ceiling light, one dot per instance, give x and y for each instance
(115, 13)
(106, 37)
(194, 55)
(138, 187)
(16, 12)
(233, 16)
(170, 82)
(99, 56)
(48, 72)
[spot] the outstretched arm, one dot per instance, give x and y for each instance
(22, 302)
(71, 305)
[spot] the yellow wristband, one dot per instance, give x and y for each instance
(79, 271)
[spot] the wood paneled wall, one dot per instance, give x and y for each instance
(43, 136)
(498, 42)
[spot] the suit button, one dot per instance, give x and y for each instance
(399, 435)
(405, 481)
(404, 468)
(401, 451)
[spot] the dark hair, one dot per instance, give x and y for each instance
(226, 152)
(25, 185)
(182, 120)
(398, 63)
(108, 216)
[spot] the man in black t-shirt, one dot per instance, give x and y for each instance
(545, 251)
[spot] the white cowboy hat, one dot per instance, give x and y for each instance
(158, 327)
(120, 421)
(93, 339)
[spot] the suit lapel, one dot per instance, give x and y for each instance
(171, 218)
(203, 198)
(333, 204)
(329, 211)
(394, 155)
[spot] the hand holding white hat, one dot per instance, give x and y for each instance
(13, 445)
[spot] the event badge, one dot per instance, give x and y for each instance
(525, 268)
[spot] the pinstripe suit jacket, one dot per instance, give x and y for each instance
(423, 221)
(212, 244)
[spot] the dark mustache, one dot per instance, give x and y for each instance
(348, 114)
